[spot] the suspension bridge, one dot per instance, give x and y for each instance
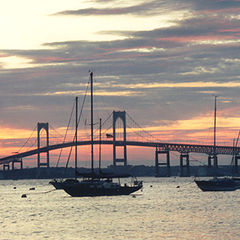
(119, 140)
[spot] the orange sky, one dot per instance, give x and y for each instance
(197, 130)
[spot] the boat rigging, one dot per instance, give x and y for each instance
(94, 184)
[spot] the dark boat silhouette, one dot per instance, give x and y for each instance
(216, 183)
(99, 185)
(95, 184)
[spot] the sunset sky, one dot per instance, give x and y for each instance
(160, 61)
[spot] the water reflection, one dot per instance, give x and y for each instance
(168, 208)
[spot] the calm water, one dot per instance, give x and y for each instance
(162, 211)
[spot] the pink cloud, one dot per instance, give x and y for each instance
(224, 10)
(197, 38)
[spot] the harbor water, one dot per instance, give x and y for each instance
(167, 208)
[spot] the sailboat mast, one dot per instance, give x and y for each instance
(91, 80)
(100, 143)
(76, 139)
(214, 137)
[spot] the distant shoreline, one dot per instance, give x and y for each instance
(138, 170)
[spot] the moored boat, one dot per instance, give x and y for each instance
(95, 184)
(91, 187)
(218, 183)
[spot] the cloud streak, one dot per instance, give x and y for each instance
(158, 6)
(150, 8)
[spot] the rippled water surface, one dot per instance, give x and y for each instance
(168, 208)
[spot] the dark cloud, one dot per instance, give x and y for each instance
(209, 28)
(214, 4)
(159, 6)
(156, 49)
(152, 7)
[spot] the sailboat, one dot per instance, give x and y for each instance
(217, 183)
(95, 183)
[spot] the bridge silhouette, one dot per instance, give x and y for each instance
(160, 148)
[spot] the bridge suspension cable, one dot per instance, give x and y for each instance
(137, 133)
(143, 130)
(109, 116)
(27, 140)
(34, 144)
(59, 134)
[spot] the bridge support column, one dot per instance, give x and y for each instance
(6, 167)
(157, 163)
(184, 156)
(123, 147)
(44, 126)
(6, 170)
(236, 158)
(17, 160)
(210, 159)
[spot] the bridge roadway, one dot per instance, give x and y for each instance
(181, 148)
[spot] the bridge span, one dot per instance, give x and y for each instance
(121, 145)
(181, 148)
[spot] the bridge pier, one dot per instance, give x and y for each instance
(6, 167)
(236, 158)
(44, 126)
(184, 156)
(157, 163)
(17, 160)
(210, 159)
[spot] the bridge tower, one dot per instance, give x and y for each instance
(184, 156)
(117, 146)
(44, 126)
(157, 163)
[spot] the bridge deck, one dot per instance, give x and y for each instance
(182, 148)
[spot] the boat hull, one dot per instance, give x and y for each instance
(218, 185)
(96, 187)
(79, 190)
